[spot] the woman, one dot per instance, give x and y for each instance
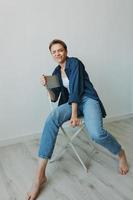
(78, 97)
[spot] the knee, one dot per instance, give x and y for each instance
(53, 117)
(60, 115)
(97, 135)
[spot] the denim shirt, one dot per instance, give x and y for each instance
(79, 84)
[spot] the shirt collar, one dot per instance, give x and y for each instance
(67, 63)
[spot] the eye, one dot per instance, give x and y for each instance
(61, 50)
(53, 52)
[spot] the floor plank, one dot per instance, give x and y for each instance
(66, 178)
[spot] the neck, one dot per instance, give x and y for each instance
(63, 65)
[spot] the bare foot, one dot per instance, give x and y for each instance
(123, 165)
(35, 190)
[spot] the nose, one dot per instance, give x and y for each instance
(57, 54)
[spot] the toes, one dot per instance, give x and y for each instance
(120, 171)
(28, 196)
(123, 171)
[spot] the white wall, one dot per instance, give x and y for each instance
(98, 32)
(132, 90)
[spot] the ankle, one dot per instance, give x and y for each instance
(121, 154)
(40, 180)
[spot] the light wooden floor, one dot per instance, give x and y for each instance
(66, 178)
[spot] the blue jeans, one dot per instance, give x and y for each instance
(91, 111)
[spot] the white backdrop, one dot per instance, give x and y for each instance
(98, 32)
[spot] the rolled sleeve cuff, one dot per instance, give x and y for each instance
(73, 100)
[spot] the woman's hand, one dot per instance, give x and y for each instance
(74, 121)
(43, 80)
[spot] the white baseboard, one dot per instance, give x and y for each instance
(26, 137)
(118, 117)
(19, 139)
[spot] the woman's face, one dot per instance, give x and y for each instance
(59, 53)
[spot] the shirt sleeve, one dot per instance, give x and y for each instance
(76, 82)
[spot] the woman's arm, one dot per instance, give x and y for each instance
(76, 79)
(74, 121)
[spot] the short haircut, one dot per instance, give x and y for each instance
(57, 41)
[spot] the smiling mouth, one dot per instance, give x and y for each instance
(58, 58)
